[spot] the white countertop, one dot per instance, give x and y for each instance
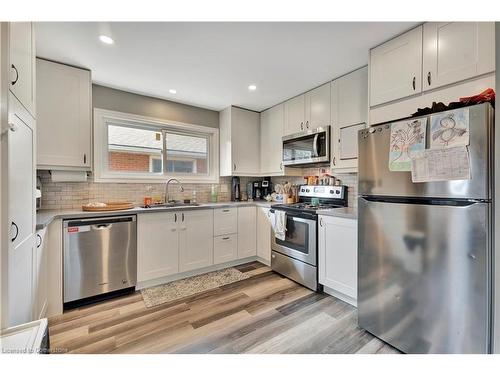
(345, 212)
(45, 217)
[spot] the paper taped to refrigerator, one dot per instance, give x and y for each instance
(407, 139)
(441, 165)
(450, 129)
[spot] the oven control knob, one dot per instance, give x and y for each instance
(331, 191)
(337, 191)
(307, 190)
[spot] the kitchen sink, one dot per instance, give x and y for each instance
(171, 205)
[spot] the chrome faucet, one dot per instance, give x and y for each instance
(166, 188)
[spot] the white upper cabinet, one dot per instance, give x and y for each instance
(271, 145)
(455, 51)
(196, 242)
(64, 117)
(22, 63)
(396, 68)
(349, 115)
(295, 115)
(239, 142)
(317, 107)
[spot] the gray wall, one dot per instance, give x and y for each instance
(123, 101)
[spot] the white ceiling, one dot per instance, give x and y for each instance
(211, 64)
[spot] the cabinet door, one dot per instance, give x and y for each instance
(22, 60)
(455, 51)
(157, 245)
(196, 239)
(295, 115)
(64, 116)
(247, 232)
(20, 283)
(21, 180)
(396, 68)
(225, 248)
(264, 233)
(338, 254)
(245, 138)
(40, 275)
(346, 155)
(225, 221)
(271, 145)
(318, 105)
(350, 98)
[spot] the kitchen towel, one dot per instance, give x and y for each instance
(279, 224)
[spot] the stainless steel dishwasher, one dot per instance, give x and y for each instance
(100, 256)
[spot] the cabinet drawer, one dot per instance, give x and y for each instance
(225, 248)
(225, 221)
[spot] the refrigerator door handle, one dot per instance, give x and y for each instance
(425, 201)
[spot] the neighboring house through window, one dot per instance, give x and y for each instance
(130, 147)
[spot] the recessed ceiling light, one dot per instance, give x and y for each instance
(106, 39)
(252, 87)
(172, 91)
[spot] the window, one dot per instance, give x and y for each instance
(136, 148)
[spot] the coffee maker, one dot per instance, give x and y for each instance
(266, 186)
(235, 189)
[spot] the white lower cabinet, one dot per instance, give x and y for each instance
(40, 274)
(264, 230)
(225, 248)
(196, 239)
(225, 220)
(157, 245)
(338, 257)
(247, 231)
(20, 283)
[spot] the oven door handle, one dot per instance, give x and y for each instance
(315, 145)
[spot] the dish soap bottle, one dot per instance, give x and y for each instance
(213, 194)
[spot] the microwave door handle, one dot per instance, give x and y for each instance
(315, 145)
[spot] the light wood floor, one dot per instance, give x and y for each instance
(263, 314)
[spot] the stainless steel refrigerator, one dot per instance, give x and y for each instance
(425, 249)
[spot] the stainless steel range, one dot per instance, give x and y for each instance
(296, 257)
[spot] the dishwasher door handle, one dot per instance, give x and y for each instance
(101, 226)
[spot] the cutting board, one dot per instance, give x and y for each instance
(110, 206)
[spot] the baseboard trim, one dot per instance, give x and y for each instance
(341, 296)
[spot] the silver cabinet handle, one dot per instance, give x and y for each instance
(334, 161)
(225, 210)
(429, 78)
(39, 238)
(17, 75)
(414, 83)
(234, 166)
(302, 125)
(175, 218)
(182, 217)
(225, 238)
(307, 124)
(320, 221)
(281, 166)
(84, 158)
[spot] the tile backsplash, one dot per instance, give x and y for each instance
(72, 195)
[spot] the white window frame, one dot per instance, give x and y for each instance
(101, 173)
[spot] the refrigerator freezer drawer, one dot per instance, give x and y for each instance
(424, 275)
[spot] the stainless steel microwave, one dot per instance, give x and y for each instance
(308, 147)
